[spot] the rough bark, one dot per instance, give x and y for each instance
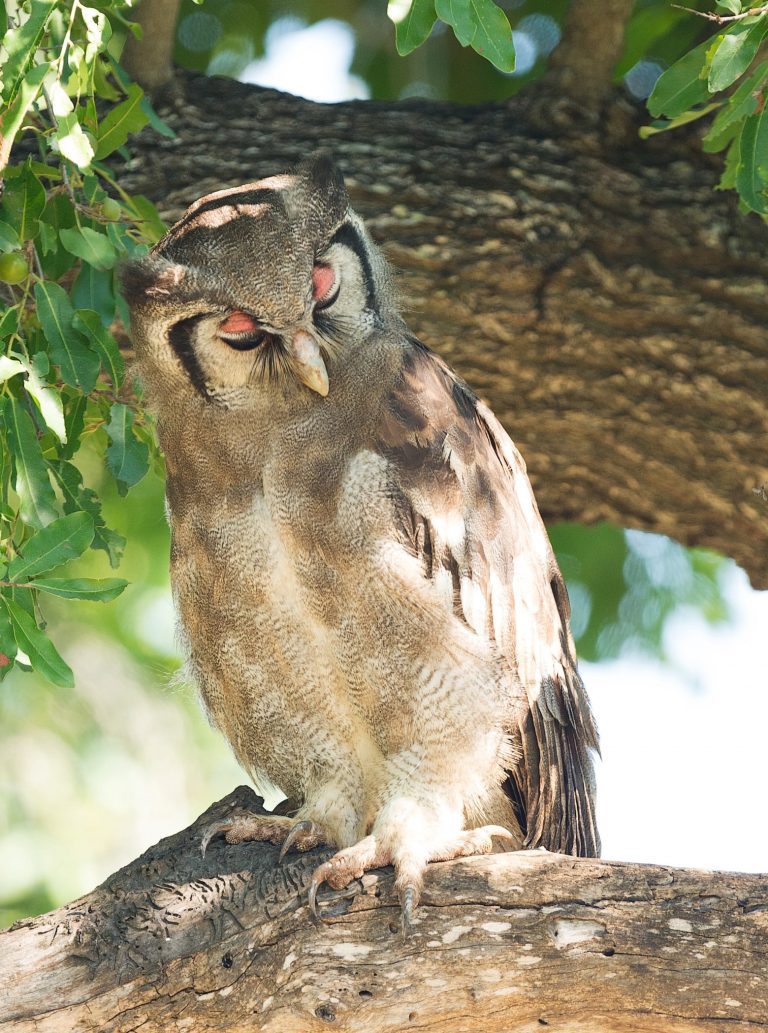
(512, 942)
(596, 289)
(593, 39)
(149, 60)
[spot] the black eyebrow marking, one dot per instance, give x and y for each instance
(349, 237)
(180, 338)
(230, 200)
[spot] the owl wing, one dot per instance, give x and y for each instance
(465, 507)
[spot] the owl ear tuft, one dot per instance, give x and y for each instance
(323, 177)
(150, 277)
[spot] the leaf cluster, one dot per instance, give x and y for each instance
(724, 75)
(480, 24)
(65, 224)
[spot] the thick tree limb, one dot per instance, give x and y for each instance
(608, 302)
(150, 60)
(510, 942)
(581, 67)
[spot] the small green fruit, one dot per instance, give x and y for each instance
(111, 209)
(14, 267)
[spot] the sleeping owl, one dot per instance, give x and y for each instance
(366, 593)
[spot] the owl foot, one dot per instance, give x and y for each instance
(409, 865)
(243, 826)
(304, 836)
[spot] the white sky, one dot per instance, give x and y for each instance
(684, 771)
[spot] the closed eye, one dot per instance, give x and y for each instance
(247, 342)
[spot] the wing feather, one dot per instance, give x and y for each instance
(466, 508)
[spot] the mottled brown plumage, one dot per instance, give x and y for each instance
(367, 595)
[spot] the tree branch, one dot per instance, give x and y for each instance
(581, 67)
(150, 60)
(607, 301)
(508, 942)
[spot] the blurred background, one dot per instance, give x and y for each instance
(670, 639)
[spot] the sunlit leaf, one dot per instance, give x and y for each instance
(122, 120)
(61, 541)
(674, 123)
(9, 368)
(48, 401)
(32, 485)
(41, 651)
(86, 588)
(20, 44)
(127, 457)
(413, 22)
(735, 52)
(12, 117)
(742, 103)
(73, 142)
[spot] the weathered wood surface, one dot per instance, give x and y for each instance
(595, 288)
(513, 942)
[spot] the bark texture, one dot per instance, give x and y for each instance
(596, 289)
(512, 942)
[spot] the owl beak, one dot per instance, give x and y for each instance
(308, 362)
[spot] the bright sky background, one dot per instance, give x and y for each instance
(684, 772)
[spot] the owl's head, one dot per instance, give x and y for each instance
(266, 284)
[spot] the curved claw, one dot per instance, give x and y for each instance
(302, 830)
(408, 904)
(318, 878)
(217, 828)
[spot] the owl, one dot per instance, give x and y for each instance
(367, 597)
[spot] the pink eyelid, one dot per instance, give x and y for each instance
(323, 279)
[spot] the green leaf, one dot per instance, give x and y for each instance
(72, 141)
(9, 323)
(681, 120)
(9, 368)
(12, 118)
(79, 365)
(731, 6)
(155, 121)
(413, 22)
(750, 175)
(94, 289)
(103, 343)
(741, 104)
(48, 401)
(87, 588)
(735, 53)
(21, 43)
(127, 457)
(493, 35)
(126, 118)
(77, 498)
(150, 223)
(457, 14)
(682, 85)
(32, 485)
(7, 640)
(9, 238)
(731, 167)
(90, 245)
(23, 203)
(41, 651)
(63, 540)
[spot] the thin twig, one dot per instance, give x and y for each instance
(724, 19)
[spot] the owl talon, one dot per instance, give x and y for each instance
(217, 828)
(304, 836)
(408, 900)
